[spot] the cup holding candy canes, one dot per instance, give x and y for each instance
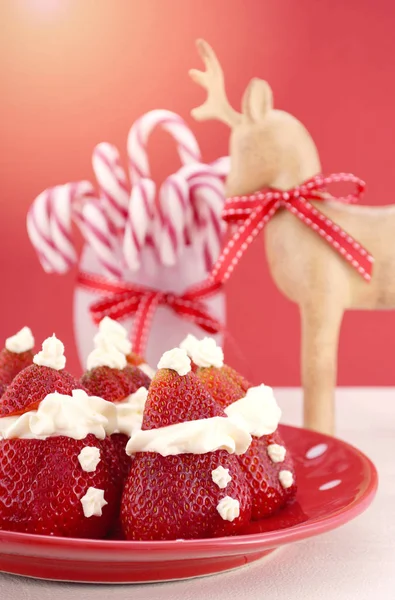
(164, 239)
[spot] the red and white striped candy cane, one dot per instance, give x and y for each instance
(175, 214)
(188, 148)
(139, 224)
(113, 183)
(49, 224)
(167, 219)
(95, 228)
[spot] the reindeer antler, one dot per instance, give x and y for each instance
(212, 79)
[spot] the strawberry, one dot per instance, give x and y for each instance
(176, 496)
(112, 384)
(268, 493)
(43, 486)
(15, 356)
(31, 385)
(55, 469)
(269, 490)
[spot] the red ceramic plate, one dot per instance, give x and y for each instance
(336, 482)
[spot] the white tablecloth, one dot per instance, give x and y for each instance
(355, 562)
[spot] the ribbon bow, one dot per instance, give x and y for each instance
(255, 210)
(124, 299)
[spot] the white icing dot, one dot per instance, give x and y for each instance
(221, 476)
(276, 453)
(89, 458)
(316, 451)
(228, 508)
(177, 360)
(51, 355)
(93, 502)
(21, 341)
(329, 485)
(286, 479)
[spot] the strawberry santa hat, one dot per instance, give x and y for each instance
(54, 476)
(267, 463)
(111, 377)
(15, 356)
(185, 480)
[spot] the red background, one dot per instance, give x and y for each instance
(75, 72)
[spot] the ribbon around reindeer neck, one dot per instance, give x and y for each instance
(254, 211)
(122, 300)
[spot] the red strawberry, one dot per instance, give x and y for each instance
(58, 485)
(236, 378)
(17, 354)
(114, 385)
(31, 385)
(42, 488)
(170, 497)
(263, 475)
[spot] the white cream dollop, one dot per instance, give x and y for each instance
(115, 334)
(221, 477)
(189, 343)
(206, 353)
(228, 508)
(286, 479)
(130, 412)
(191, 437)
(21, 341)
(106, 355)
(276, 453)
(89, 458)
(258, 411)
(93, 502)
(51, 355)
(72, 416)
(177, 360)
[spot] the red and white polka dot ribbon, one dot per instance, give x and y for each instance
(120, 299)
(254, 211)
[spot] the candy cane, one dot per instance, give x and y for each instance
(49, 224)
(175, 215)
(96, 230)
(139, 222)
(113, 183)
(187, 145)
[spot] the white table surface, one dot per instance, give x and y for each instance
(356, 561)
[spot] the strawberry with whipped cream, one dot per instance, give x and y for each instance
(267, 463)
(111, 377)
(55, 478)
(15, 356)
(186, 436)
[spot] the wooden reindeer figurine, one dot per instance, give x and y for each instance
(271, 149)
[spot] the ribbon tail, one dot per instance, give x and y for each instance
(142, 322)
(348, 248)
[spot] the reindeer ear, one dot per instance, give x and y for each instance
(257, 100)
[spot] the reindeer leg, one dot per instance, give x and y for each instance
(320, 335)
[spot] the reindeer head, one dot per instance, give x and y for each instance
(268, 147)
